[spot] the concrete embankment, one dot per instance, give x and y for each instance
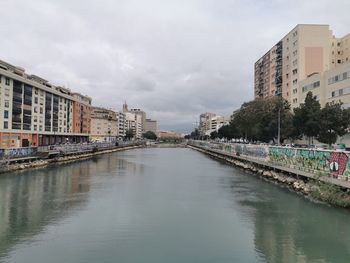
(60, 159)
(321, 189)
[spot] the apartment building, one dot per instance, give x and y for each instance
(34, 112)
(304, 51)
(331, 85)
(204, 122)
(104, 124)
(136, 119)
(142, 115)
(122, 125)
(150, 125)
(134, 123)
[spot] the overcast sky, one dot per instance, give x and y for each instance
(172, 58)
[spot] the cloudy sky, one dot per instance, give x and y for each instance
(172, 58)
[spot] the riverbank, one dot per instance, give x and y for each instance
(317, 187)
(42, 163)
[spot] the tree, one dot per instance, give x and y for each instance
(307, 116)
(257, 120)
(334, 121)
(150, 135)
(195, 134)
(129, 134)
(214, 135)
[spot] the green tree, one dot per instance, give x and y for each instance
(334, 121)
(214, 135)
(195, 134)
(149, 135)
(257, 120)
(129, 134)
(306, 119)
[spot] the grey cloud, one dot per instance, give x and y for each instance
(175, 59)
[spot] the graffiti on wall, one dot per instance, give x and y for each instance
(17, 152)
(314, 161)
(257, 151)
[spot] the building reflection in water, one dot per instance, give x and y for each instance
(31, 200)
(290, 228)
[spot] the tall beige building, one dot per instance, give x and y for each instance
(150, 125)
(104, 124)
(304, 51)
(205, 122)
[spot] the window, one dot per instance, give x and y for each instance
(333, 94)
(339, 61)
(6, 124)
(35, 127)
(36, 100)
(340, 92)
(7, 103)
(41, 110)
(35, 109)
(7, 81)
(6, 114)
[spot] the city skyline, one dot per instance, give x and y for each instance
(174, 60)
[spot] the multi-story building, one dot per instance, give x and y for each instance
(150, 125)
(331, 85)
(304, 51)
(216, 123)
(104, 125)
(134, 123)
(204, 122)
(137, 121)
(142, 115)
(121, 124)
(34, 112)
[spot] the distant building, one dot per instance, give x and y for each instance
(122, 125)
(104, 125)
(150, 125)
(137, 121)
(304, 51)
(216, 123)
(168, 135)
(34, 112)
(205, 122)
(134, 123)
(142, 114)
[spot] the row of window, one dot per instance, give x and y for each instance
(340, 77)
(311, 86)
(340, 92)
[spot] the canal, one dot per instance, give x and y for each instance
(162, 205)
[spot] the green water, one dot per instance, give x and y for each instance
(162, 205)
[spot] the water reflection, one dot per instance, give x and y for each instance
(289, 228)
(31, 200)
(162, 205)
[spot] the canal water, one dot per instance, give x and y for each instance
(162, 205)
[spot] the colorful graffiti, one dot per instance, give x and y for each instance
(256, 151)
(17, 152)
(313, 161)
